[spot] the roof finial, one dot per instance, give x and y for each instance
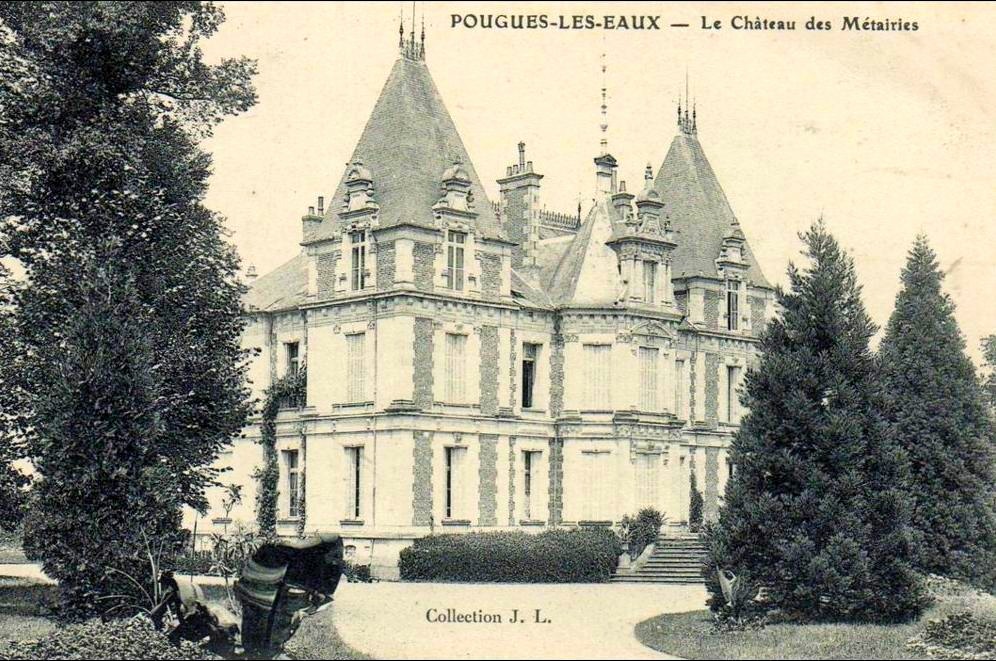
(648, 174)
(694, 121)
(401, 27)
(422, 45)
(605, 110)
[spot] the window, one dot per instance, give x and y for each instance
(648, 378)
(356, 367)
(530, 353)
(732, 377)
(354, 468)
(598, 375)
(358, 240)
(456, 369)
(646, 465)
(530, 462)
(732, 304)
(454, 464)
(679, 388)
(293, 483)
(597, 486)
(455, 242)
(293, 357)
(650, 282)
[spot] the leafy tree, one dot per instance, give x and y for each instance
(126, 366)
(936, 411)
(816, 512)
(12, 481)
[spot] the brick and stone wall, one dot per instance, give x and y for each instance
(556, 372)
(385, 265)
(424, 265)
(422, 363)
(422, 480)
(710, 496)
(487, 484)
(511, 480)
(489, 370)
(712, 389)
(711, 309)
(490, 277)
(326, 275)
(556, 489)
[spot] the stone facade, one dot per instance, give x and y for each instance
(422, 480)
(425, 256)
(422, 363)
(489, 370)
(385, 265)
(418, 379)
(487, 490)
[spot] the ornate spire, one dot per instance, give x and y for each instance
(687, 123)
(605, 111)
(410, 48)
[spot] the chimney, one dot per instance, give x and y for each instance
(250, 275)
(321, 205)
(520, 207)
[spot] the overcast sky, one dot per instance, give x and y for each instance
(886, 134)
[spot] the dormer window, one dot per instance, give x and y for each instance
(732, 304)
(455, 243)
(358, 240)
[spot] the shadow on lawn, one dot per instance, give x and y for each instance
(692, 635)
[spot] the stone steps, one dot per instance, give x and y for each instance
(676, 559)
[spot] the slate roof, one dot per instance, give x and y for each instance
(588, 272)
(699, 211)
(408, 142)
(283, 288)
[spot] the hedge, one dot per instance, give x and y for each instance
(583, 555)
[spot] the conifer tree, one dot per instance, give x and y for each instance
(935, 409)
(815, 512)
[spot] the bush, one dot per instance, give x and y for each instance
(357, 573)
(583, 555)
(957, 636)
(135, 638)
(695, 504)
(195, 562)
(642, 530)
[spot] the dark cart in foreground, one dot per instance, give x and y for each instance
(284, 582)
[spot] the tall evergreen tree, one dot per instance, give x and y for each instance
(989, 376)
(102, 106)
(936, 410)
(815, 511)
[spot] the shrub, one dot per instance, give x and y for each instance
(357, 573)
(135, 638)
(956, 636)
(583, 555)
(642, 530)
(695, 504)
(194, 562)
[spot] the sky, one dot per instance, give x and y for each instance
(884, 134)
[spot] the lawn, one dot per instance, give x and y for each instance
(691, 635)
(25, 607)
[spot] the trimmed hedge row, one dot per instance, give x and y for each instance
(583, 555)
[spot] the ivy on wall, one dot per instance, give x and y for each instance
(286, 392)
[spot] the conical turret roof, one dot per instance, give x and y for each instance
(408, 143)
(699, 212)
